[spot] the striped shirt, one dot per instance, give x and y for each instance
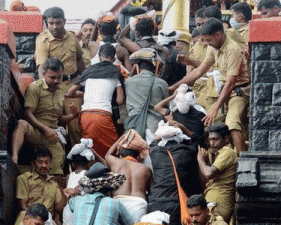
(110, 212)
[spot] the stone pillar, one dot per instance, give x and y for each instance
(26, 27)
(11, 105)
(259, 170)
(176, 14)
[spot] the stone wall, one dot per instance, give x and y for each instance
(11, 109)
(265, 120)
(259, 170)
(25, 48)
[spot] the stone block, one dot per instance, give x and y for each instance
(259, 140)
(27, 61)
(25, 44)
(263, 118)
(262, 94)
(247, 173)
(275, 53)
(265, 71)
(276, 94)
(261, 51)
(274, 140)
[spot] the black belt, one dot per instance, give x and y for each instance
(70, 77)
(242, 85)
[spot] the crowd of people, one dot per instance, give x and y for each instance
(151, 127)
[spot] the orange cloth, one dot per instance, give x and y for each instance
(185, 218)
(131, 158)
(98, 125)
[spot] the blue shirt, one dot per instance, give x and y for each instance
(110, 211)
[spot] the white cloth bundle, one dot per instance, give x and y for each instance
(169, 133)
(184, 99)
(84, 149)
(156, 217)
(165, 37)
(216, 75)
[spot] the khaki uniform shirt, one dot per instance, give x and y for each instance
(225, 160)
(30, 186)
(86, 54)
(236, 36)
(229, 60)
(48, 105)
(244, 31)
(68, 50)
(198, 50)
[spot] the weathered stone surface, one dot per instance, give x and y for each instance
(259, 140)
(247, 173)
(28, 63)
(276, 95)
(261, 51)
(263, 94)
(265, 71)
(25, 43)
(275, 140)
(263, 118)
(275, 53)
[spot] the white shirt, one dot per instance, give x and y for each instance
(98, 93)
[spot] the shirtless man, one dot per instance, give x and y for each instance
(138, 179)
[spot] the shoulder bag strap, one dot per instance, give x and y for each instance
(182, 196)
(97, 203)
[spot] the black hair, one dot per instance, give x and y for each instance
(269, 4)
(145, 27)
(211, 26)
(79, 159)
(199, 13)
(41, 151)
(38, 209)
(220, 128)
(53, 64)
(145, 65)
(54, 12)
(127, 152)
(107, 50)
(108, 28)
(195, 33)
(244, 8)
(197, 200)
(88, 21)
(212, 11)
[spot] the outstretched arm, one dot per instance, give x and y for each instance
(161, 107)
(126, 42)
(192, 77)
(72, 91)
(99, 158)
(184, 59)
(110, 157)
(225, 93)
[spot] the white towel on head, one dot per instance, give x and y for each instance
(84, 149)
(165, 37)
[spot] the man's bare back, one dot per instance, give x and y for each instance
(138, 177)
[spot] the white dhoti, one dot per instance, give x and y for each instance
(137, 206)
